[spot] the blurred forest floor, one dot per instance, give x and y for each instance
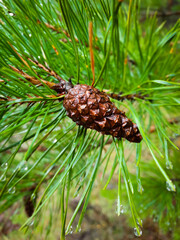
(99, 223)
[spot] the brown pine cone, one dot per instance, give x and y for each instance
(28, 205)
(62, 87)
(89, 107)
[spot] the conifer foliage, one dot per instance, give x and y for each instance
(43, 44)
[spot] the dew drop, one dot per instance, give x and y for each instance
(30, 35)
(139, 222)
(31, 223)
(4, 166)
(78, 228)
(12, 190)
(76, 195)
(11, 14)
(33, 196)
(141, 208)
(3, 178)
(169, 187)
(25, 167)
(122, 209)
(137, 233)
(70, 230)
(39, 57)
(140, 188)
(169, 165)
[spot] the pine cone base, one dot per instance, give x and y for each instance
(91, 108)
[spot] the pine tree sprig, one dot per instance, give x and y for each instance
(45, 43)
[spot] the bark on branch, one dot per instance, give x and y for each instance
(31, 79)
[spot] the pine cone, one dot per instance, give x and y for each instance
(62, 87)
(89, 107)
(28, 205)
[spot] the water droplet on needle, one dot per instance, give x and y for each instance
(4, 166)
(12, 190)
(137, 232)
(169, 187)
(3, 178)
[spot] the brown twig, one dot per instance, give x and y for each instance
(175, 179)
(172, 121)
(61, 30)
(160, 14)
(168, 14)
(46, 69)
(32, 100)
(63, 86)
(22, 150)
(91, 50)
(31, 79)
(130, 97)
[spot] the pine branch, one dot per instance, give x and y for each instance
(31, 79)
(30, 99)
(61, 30)
(23, 150)
(153, 60)
(46, 69)
(131, 97)
(162, 14)
(56, 87)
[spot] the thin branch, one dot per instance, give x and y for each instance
(167, 14)
(91, 50)
(162, 14)
(46, 69)
(61, 30)
(172, 121)
(63, 86)
(31, 79)
(175, 179)
(32, 99)
(22, 59)
(22, 150)
(130, 97)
